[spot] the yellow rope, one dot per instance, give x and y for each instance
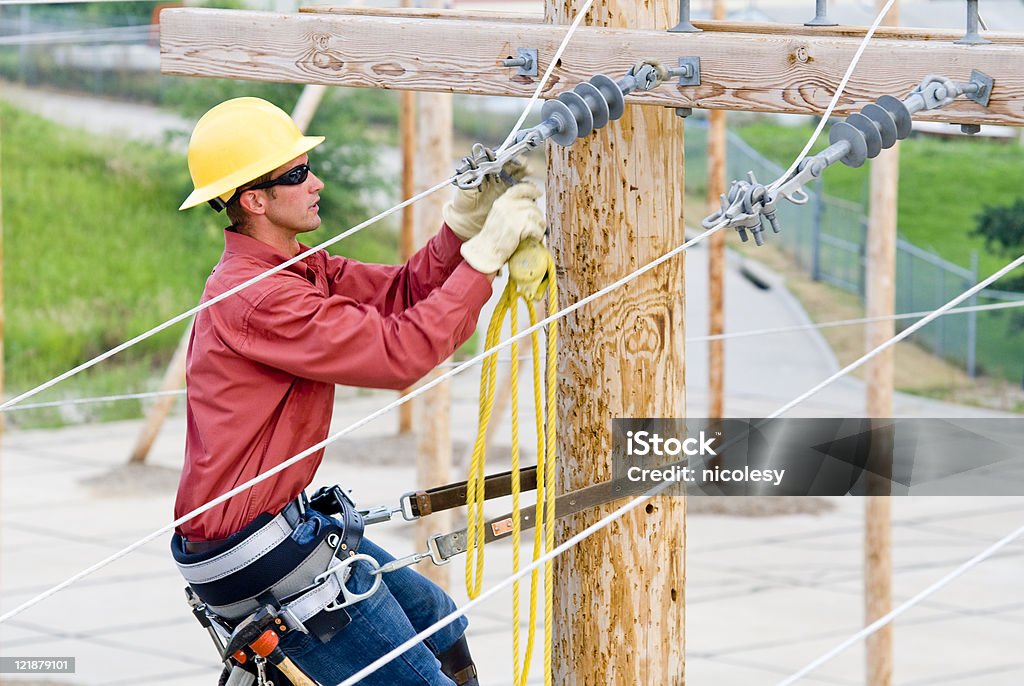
(532, 272)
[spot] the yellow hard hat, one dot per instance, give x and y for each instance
(237, 141)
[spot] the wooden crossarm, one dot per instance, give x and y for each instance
(745, 67)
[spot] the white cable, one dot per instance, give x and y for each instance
(429, 631)
(330, 439)
(99, 399)
(547, 74)
(882, 621)
(839, 91)
(213, 301)
(504, 360)
(900, 336)
(110, 34)
(63, 2)
(171, 322)
(356, 425)
(852, 322)
(505, 583)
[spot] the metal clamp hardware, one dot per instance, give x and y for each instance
(343, 571)
(684, 25)
(526, 60)
(862, 136)
(405, 506)
(381, 513)
(688, 71)
(972, 37)
(820, 15)
(483, 162)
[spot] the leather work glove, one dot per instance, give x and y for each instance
(514, 217)
(467, 211)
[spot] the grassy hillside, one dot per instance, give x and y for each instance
(944, 183)
(96, 252)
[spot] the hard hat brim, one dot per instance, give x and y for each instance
(226, 186)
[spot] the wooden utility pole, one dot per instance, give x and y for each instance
(716, 252)
(407, 235)
(881, 282)
(174, 377)
(434, 457)
(615, 203)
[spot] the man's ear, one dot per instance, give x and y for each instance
(253, 201)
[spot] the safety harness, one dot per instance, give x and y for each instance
(263, 571)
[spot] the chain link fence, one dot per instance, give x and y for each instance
(827, 237)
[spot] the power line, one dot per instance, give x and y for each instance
(105, 35)
(888, 618)
(751, 333)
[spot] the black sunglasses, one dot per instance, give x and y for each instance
(292, 177)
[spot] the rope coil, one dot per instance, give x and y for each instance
(531, 276)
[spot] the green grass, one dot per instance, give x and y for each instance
(96, 252)
(943, 185)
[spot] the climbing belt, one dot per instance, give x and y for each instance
(531, 277)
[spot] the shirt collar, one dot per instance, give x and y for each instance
(239, 244)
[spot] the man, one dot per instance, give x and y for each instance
(262, 367)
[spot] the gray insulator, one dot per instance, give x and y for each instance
(900, 114)
(884, 121)
(612, 95)
(561, 116)
(872, 137)
(580, 112)
(595, 101)
(853, 136)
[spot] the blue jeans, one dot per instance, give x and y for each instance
(405, 604)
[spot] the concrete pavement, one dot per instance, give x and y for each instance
(764, 595)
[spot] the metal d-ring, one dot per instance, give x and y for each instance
(343, 573)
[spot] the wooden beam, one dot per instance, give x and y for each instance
(426, 13)
(880, 296)
(434, 125)
(716, 253)
(766, 71)
(614, 203)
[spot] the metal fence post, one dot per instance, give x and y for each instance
(940, 325)
(862, 262)
(972, 322)
(819, 212)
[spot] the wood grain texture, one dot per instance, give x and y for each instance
(614, 204)
(756, 72)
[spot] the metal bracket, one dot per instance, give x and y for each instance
(525, 59)
(985, 83)
(689, 68)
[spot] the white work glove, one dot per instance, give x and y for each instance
(514, 217)
(466, 213)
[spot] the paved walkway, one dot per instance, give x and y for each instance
(764, 595)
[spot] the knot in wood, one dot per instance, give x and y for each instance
(325, 60)
(802, 55)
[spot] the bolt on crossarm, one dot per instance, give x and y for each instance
(862, 136)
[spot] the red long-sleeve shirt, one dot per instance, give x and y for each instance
(262, 364)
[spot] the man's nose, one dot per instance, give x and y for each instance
(317, 184)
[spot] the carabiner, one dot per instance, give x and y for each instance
(342, 571)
